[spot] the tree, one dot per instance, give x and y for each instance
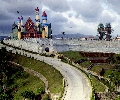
(111, 60)
(114, 79)
(105, 31)
(102, 72)
(101, 31)
(28, 94)
(108, 30)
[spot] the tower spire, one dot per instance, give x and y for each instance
(22, 26)
(44, 17)
(37, 18)
(19, 28)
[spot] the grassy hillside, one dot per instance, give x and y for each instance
(14, 80)
(52, 75)
(27, 83)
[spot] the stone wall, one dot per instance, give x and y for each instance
(60, 45)
(88, 46)
(32, 44)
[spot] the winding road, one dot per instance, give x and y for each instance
(77, 84)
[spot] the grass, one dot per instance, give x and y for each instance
(72, 55)
(52, 75)
(97, 85)
(85, 64)
(27, 82)
(98, 68)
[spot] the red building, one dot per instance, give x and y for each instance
(30, 30)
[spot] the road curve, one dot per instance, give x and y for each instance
(77, 88)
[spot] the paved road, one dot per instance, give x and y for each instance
(77, 85)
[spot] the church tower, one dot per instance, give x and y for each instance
(19, 28)
(44, 24)
(44, 17)
(37, 19)
(22, 25)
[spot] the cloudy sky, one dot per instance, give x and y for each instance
(70, 16)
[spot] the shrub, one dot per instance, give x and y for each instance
(41, 90)
(28, 94)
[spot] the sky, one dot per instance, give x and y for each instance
(69, 16)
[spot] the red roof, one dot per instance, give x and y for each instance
(37, 9)
(91, 36)
(18, 17)
(44, 14)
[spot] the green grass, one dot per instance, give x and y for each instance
(107, 67)
(72, 55)
(53, 76)
(85, 64)
(27, 82)
(98, 68)
(107, 72)
(99, 87)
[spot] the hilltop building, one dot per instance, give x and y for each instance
(31, 30)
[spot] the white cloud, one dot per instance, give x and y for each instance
(89, 10)
(107, 17)
(114, 5)
(57, 5)
(71, 16)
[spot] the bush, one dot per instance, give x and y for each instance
(41, 90)
(28, 94)
(45, 97)
(52, 55)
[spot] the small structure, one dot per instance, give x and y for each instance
(82, 38)
(91, 38)
(117, 38)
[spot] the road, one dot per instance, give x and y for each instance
(77, 85)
